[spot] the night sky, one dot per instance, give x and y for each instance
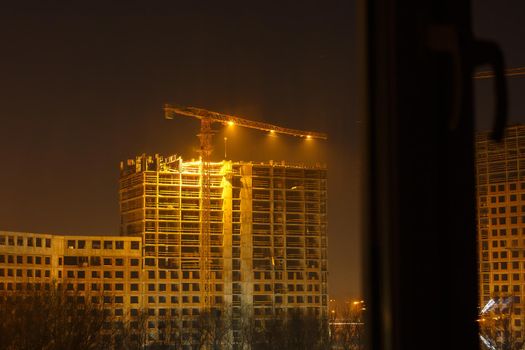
(82, 88)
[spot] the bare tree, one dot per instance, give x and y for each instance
(132, 334)
(213, 329)
(296, 329)
(52, 319)
(347, 328)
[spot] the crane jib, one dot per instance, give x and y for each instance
(200, 113)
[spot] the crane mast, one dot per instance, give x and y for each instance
(207, 118)
(205, 137)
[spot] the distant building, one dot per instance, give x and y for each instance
(500, 169)
(267, 244)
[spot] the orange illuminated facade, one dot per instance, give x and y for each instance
(267, 244)
(500, 169)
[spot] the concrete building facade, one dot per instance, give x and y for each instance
(500, 169)
(267, 244)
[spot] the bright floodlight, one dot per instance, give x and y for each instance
(230, 123)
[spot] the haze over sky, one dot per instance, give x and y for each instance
(82, 87)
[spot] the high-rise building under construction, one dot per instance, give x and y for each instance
(500, 171)
(267, 233)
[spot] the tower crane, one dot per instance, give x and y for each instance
(207, 118)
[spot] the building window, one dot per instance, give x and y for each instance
(94, 261)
